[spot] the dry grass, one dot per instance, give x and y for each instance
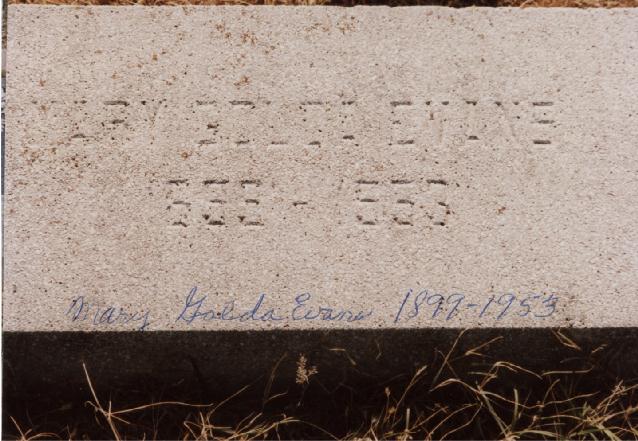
(452, 3)
(444, 401)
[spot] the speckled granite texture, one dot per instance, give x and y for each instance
(212, 168)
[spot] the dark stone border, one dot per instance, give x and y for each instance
(45, 368)
(40, 358)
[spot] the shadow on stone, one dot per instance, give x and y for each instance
(43, 371)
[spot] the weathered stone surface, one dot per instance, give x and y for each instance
(413, 167)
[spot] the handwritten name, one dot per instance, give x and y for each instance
(82, 310)
(303, 307)
(415, 305)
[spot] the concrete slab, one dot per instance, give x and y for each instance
(212, 168)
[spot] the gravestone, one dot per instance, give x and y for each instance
(318, 168)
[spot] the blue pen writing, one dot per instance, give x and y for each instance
(405, 299)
